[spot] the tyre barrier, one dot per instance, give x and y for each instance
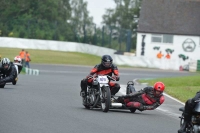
(30, 71)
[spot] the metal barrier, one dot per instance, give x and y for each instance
(30, 71)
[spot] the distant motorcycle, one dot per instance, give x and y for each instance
(98, 95)
(2, 85)
(194, 125)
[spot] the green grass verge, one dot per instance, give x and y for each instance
(53, 57)
(181, 88)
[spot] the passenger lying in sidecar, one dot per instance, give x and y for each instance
(149, 98)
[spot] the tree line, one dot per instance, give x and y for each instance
(68, 20)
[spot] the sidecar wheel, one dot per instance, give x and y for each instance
(132, 110)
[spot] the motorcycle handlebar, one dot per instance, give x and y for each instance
(109, 77)
(198, 100)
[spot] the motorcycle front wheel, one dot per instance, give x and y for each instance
(196, 129)
(85, 103)
(2, 86)
(105, 99)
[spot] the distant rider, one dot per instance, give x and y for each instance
(149, 98)
(18, 63)
(106, 67)
(8, 71)
(189, 106)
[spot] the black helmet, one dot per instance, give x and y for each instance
(106, 60)
(4, 62)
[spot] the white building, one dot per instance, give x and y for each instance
(170, 27)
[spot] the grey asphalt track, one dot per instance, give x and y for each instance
(50, 103)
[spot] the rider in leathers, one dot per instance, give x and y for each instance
(148, 98)
(8, 71)
(189, 106)
(106, 67)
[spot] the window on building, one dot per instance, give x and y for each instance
(156, 38)
(160, 38)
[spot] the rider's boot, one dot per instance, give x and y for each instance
(187, 119)
(115, 89)
(83, 88)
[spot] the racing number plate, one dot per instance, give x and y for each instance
(103, 79)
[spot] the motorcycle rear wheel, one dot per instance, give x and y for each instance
(2, 86)
(106, 99)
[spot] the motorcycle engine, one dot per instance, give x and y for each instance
(91, 96)
(196, 119)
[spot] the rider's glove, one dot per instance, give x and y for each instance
(89, 76)
(133, 94)
(146, 108)
(142, 107)
(116, 78)
(147, 90)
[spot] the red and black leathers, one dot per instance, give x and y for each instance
(144, 99)
(102, 70)
(8, 75)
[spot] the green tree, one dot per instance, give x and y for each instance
(83, 25)
(35, 19)
(124, 16)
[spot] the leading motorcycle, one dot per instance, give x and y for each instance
(98, 94)
(194, 125)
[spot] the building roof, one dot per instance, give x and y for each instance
(180, 17)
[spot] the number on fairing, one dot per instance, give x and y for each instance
(103, 79)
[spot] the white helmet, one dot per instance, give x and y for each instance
(17, 59)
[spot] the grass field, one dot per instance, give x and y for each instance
(181, 88)
(53, 57)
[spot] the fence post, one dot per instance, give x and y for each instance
(102, 44)
(128, 41)
(198, 65)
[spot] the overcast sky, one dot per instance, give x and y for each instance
(97, 9)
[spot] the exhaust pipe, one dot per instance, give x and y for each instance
(116, 105)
